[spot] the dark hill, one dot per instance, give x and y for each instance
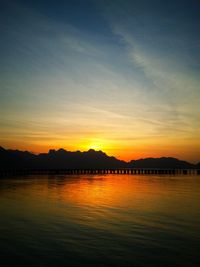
(161, 163)
(91, 159)
(198, 165)
(57, 159)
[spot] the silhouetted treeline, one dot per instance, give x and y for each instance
(62, 159)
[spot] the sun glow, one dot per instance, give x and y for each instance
(96, 144)
(95, 147)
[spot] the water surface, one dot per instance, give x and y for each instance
(100, 220)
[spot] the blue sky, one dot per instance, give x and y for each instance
(121, 76)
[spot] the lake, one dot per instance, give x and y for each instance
(100, 220)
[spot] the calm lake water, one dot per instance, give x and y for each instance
(101, 220)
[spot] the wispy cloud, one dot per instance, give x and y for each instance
(169, 80)
(137, 84)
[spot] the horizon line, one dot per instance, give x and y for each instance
(92, 149)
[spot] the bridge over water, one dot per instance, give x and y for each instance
(142, 171)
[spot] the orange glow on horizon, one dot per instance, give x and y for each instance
(124, 151)
(91, 192)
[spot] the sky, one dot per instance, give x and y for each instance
(119, 76)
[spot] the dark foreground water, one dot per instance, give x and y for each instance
(102, 220)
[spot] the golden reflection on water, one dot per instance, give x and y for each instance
(102, 216)
(128, 192)
(125, 191)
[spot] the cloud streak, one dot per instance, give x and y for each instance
(135, 84)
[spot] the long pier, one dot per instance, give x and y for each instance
(144, 171)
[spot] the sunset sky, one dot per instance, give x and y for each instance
(119, 76)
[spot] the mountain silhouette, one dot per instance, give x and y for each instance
(198, 165)
(162, 163)
(91, 159)
(58, 159)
